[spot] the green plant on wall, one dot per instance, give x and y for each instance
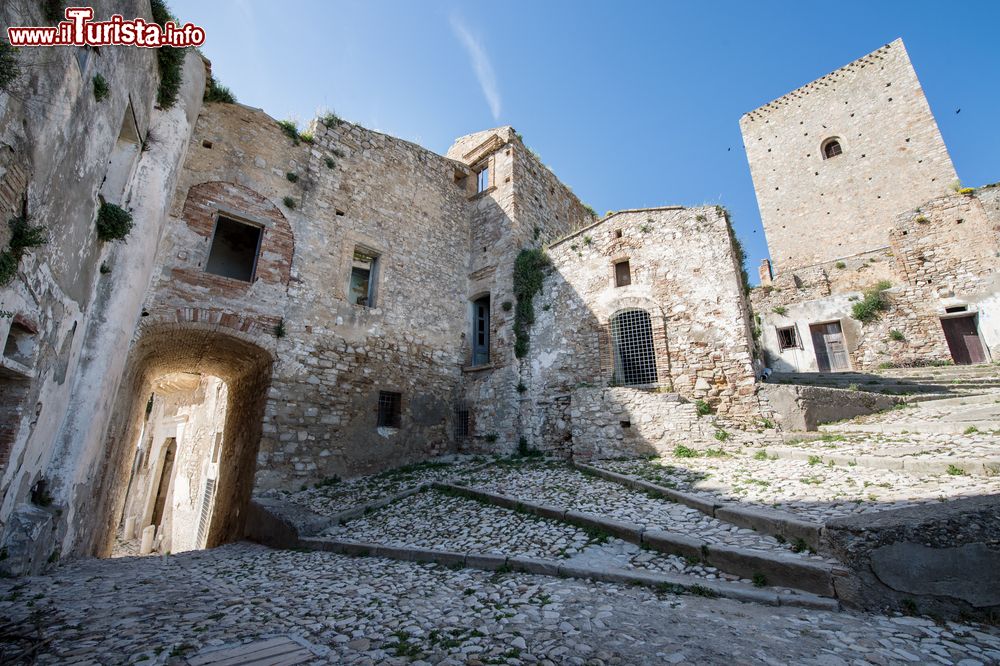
(9, 69)
(101, 88)
(113, 222)
(529, 272)
(170, 61)
(23, 237)
(873, 304)
(216, 92)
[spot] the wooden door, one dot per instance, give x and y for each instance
(831, 350)
(962, 335)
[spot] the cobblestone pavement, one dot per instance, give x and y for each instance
(157, 610)
(559, 485)
(434, 520)
(332, 496)
(809, 488)
(938, 446)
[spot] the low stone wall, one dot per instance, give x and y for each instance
(613, 422)
(806, 407)
(933, 559)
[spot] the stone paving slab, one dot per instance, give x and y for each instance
(812, 489)
(560, 485)
(158, 610)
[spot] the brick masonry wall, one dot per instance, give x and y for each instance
(893, 159)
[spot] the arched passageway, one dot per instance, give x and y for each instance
(200, 388)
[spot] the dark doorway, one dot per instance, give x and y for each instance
(831, 351)
(962, 335)
(166, 475)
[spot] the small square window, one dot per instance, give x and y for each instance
(618, 233)
(623, 274)
(390, 409)
(483, 179)
(235, 246)
(364, 269)
(788, 338)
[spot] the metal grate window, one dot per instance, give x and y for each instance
(787, 338)
(390, 409)
(462, 423)
(632, 340)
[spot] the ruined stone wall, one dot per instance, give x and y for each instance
(818, 210)
(351, 188)
(942, 254)
(683, 273)
(616, 422)
(524, 205)
(54, 132)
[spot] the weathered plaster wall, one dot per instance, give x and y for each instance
(818, 210)
(55, 132)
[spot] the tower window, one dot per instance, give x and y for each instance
(831, 148)
(235, 248)
(483, 179)
(364, 272)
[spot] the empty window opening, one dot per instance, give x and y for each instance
(634, 354)
(206, 143)
(462, 422)
(122, 162)
(831, 148)
(481, 331)
(390, 409)
(618, 233)
(363, 274)
(957, 308)
(623, 274)
(788, 338)
(20, 344)
(483, 179)
(340, 213)
(625, 424)
(235, 246)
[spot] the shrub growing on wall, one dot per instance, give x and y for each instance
(23, 237)
(9, 69)
(113, 222)
(170, 61)
(216, 92)
(873, 303)
(528, 276)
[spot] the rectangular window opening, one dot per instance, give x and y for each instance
(481, 331)
(122, 162)
(390, 409)
(462, 423)
(364, 267)
(957, 308)
(483, 179)
(788, 338)
(235, 246)
(623, 274)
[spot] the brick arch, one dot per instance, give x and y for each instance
(186, 343)
(205, 200)
(658, 320)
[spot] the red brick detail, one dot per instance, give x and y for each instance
(201, 207)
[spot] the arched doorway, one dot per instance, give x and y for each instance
(200, 388)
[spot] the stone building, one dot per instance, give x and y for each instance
(863, 210)
(294, 306)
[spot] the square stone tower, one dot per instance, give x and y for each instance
(836, 160)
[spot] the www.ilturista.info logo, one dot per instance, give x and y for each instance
(79, 30)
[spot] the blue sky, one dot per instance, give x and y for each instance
(632, 104)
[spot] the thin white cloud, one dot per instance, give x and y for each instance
(480, 63)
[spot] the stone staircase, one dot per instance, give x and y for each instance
(916, 384)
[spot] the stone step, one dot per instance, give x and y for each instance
(777, 568)
(986, 466)
(673, 583)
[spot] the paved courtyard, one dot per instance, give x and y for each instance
(158, 610)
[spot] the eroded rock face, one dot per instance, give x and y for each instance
(28, 541)
(966, 572)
